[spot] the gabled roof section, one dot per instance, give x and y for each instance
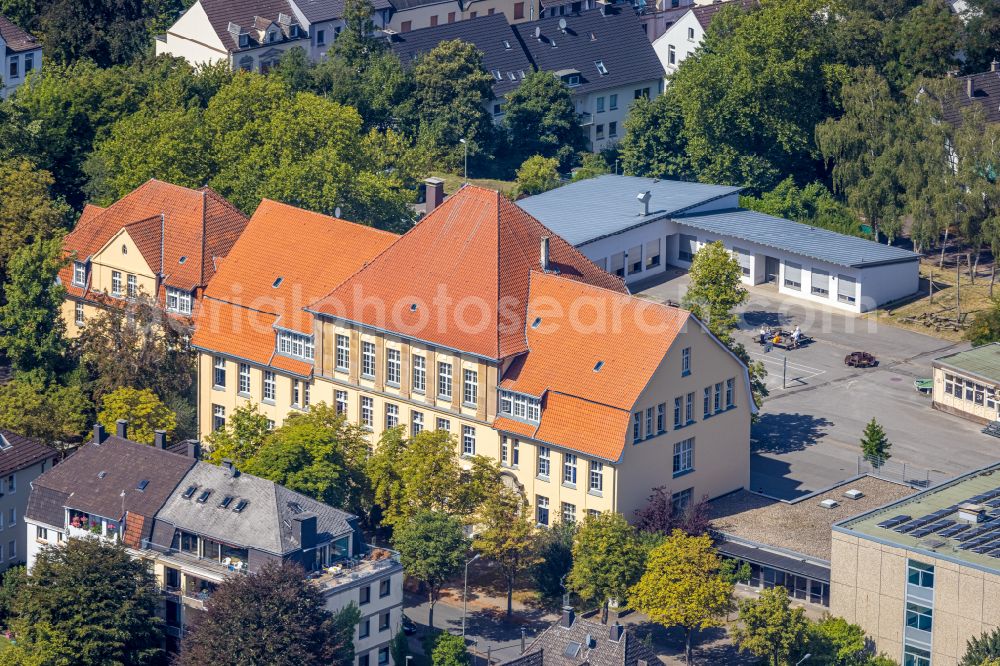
(982, 89)
(586, 642)
(611, 36)
(18, 452)
(459, 279)
(181, 232)
(17, 40)
(247, 14)
(491, 34)
(705, 13)
(266, 521)
(286, 259)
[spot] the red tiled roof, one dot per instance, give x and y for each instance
(465, 268)
(573, 327)
(285, 259)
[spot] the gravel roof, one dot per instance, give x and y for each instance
(802, 526)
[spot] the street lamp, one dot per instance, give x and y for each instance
(465, 588)
(808, 654)
(466, 144)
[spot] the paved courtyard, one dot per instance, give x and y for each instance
(807, 436)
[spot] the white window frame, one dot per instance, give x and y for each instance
(368, 359)
(218, 372)
(79, 273)
(470, 387)
(596, 476)
(391, 415)
(243, 381)
(393, 366)
(295, 344)
(269, 386)
(78, 313)
(520, 406)
(367, 412)
(178, 300)
(116, 283)
(341, 401)
(343, 356)
(544, 467)
(444, 380)
(569, 469)
(468, 440)
(683, 458)
(419, 373)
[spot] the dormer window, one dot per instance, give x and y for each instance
(572, 80)
(297, 345)
(244, 41)
(272, 36)
(178, 300)
(79, 273)
(520, 406)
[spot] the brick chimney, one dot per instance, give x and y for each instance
(435, 193)
(160, 439)
(121, 428)
(99, 434)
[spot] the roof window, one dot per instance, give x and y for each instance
(204, 496)
(506, 44)
(295, 507)
(102, 474)
(182, 259)
(534, 324)
(142, 485)
(242, 504)
(4, 444)
(277, 282)
(498, 75)
(599, 64)
(189, 491)
(226, 501)
(598, 366)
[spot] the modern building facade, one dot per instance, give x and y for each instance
(22, 460)
(635, 227)
(966, 383)
(922, 575)
(197, 524)
(516, 344)
(20, 54)
(160, 240)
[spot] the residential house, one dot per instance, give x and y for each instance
(253, 34)
(197, 524)
(982, 89)
(22, 460)
(604, 57)
(635, 227)
(20, 54)
(921, 575)
(503, 342)
(161, 240)
(503, 56)
(966, 384)
(578, 641)
(685, 34)
(254, 337)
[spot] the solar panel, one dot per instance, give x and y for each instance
(954, 529)
(921, 533)
(942, 524)
(895, 520)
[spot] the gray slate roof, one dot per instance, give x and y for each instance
(705, 13)
(17, 39)
(22, 452)
(606, 205)
(616, 39)
(266, 522)
(325, 10)
(490, 34)
(553, 643)
(244, 13)
(985, 92)
(801, 239)
(124, 464)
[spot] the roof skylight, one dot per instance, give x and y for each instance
(142, 485)
(189, 491)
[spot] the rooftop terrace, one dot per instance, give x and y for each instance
(928, 522)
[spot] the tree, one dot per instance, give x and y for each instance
(985, 326)
(449, 650)
(555, 558)
(87, 602)
(751, 95)
(682, 587)
(591, 166)
(506, 534)
(980, 649)
(659, 516)
(540, 119)
(357, 41)
(11, 582)
(31, 324)
(451, 91)
(377, 86)
(926, 42)
(654, 144)
(34, 406)
(241, 438)
(142, 409)
(607, 560)
(982, 31)
(137, 344)
(538, 174)
(813, 204)
(320, 454)
(432, 549)
(861, 144)
(716, 289)
(833, 641)
(769, 627)
(28, 211)
(274, 616)
(874, 444)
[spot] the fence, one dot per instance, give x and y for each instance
(891, 470)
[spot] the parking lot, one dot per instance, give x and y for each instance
(807, 436)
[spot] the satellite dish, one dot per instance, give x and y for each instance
(336, 211)
(562, 24)
(538, 31)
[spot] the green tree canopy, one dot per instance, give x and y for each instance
(32, 330)
(318, 453)
(36, 406)
(654, 145)
(241, 438)
(540, 119)
(770, 628)
(87, 603)
(432, 549)
(274, 616)
(142, 409)
(28, 210)
(538, 174)
(449, 650)
(607, 559)
(813, 204)
(555, 552)
(875, 444)
(980, 649)
(833, 641)
(506, 534)
(682, 586)
(716, 289)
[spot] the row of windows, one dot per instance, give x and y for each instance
(520, 406)
(612, 130)
(300, 391)
(392, 419)
(295, 344)
(612, 103)
(638, 258)
(652, 421)
(969, 390)
(393, 370)
(14, 68)
(567, 513)
(510, 457)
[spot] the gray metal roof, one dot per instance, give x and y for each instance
(796, 238)
(265, 524)
(597, 207)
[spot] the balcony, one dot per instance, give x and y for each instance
(353, 570)
(208, 568)
(586, 118)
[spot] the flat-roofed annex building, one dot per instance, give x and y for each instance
(966, 383)
(922, 575)
(482, 322)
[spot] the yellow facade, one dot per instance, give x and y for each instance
(964, 395)
(721, 455)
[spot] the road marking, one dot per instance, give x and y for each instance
(798, 373)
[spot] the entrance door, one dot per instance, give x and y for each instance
(772, 268)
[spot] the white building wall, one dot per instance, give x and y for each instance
(683, 37)
(193, 38)
(34, 544)
(372, 612)
(14, 546)
(884, 284)
(9, 84)
(602, 123)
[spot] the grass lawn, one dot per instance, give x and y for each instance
(452, 182)
(975, 297)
